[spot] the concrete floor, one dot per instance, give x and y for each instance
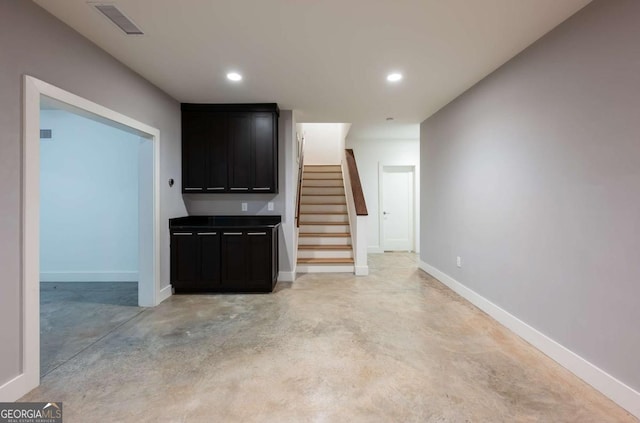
(73, 316)
(395, 346)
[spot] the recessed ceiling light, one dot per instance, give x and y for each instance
(394, 77)
(234, 76)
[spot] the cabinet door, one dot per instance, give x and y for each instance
(185, 258)
(209, 260)
(234, 260)
(195, 130)
(217, 154)
(240, 132)
(264, 150)
(259, 260)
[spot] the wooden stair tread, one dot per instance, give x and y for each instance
(312, 170)
(325, 223)
(323, 234)
(324, 247)
(325, 261)
(319, 213)
(324, 179)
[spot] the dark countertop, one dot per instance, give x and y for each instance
(210, 222)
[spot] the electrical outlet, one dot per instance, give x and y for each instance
(270, 206)
(459, 261)
(244, 207)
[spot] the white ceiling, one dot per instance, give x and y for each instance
(327, 59)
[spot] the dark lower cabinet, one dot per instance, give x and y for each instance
(247, 260)
(195, 261)
(224, 260)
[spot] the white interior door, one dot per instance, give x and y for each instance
(397, 208)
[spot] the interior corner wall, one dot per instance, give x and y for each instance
(369, 154)
(323, 143)
(33, 42)
(533, 178)
(88, 200)
(257, 204)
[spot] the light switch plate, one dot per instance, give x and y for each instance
(270, 206)
(244, 207)
(459, 261)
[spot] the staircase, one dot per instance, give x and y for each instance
(324, 240)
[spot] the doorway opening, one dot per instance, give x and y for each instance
(90, 182)
(397, 208)
(39, 94)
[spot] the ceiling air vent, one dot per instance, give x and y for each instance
(117, 17)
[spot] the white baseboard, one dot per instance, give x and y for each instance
(165, 293)
(617, 391)
(16, 388)
(376, 249)
(98, 276)
(287, 276)
(362, 270)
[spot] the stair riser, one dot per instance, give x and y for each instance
(323, 199)
(320, 240)
(322, 175)
(337, 218)
(316, 182)
(325, 254)
(322, 190)
(325, 229)
(321, 208)
(315, 268)
(323, 168)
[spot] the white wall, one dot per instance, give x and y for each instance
(35, 43)
(369, 154)
(533, 177)
(324, 142)
(89, 200)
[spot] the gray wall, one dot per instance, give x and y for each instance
(533, 178)
(283, 202)
(35, 43)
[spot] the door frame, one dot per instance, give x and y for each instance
(149, 292)
(414, 215)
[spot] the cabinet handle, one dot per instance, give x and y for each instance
(193, 189)
(182, 233)
(256, 233)
(239, 189)
(207, 233)
(214, 188)
(232, 233)
(262, 189)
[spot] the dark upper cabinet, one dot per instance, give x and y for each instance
(195, 133)
(230, 148)
(240, 138)
(204, 151)
(263, 151)
(216, 169)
